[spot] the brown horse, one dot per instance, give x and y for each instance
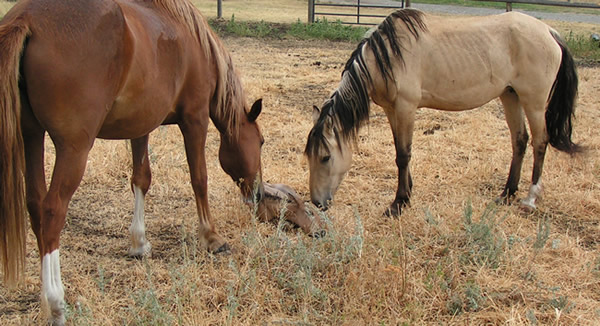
(415, 60)
(114, 69)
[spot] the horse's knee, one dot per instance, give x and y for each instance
(402, 159)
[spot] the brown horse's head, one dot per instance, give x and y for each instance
(240, 155)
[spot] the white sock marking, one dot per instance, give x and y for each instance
(53, 293)
(139, 245)
(534, 192)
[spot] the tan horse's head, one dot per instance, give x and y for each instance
(240, 156)
(328, 163)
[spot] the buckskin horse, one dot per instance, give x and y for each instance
(80, 70)
(414, 60)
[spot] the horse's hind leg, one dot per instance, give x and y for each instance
(68, 170)
(194, 129)
(537, 125)
(35, 178)
(140, 183)
(518, 135)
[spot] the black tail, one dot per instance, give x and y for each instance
(561, 109)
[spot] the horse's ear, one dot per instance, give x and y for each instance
(315, 114)
(255, 110)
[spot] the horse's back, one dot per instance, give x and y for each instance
(465, 62)
(114, 68)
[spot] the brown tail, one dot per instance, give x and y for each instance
(12, 162)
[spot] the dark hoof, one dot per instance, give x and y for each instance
(504, 200)
(392, 211)
(224, 249)
(318, 234)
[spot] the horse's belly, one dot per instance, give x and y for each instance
(128, 120)
(462, 96)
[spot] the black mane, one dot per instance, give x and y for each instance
(348, 106)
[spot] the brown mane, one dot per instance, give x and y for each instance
(229, 95)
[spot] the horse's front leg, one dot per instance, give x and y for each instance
(194, 128)
(140, 183)
(402, 122)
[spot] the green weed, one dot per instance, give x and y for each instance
(469, 299)
(296, 264)
(147, 309)
(583, 47)
(325, 30)
(260, 29)
(484, 245)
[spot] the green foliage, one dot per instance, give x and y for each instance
(260, 29)
(583, 47)
(530, 315)
(325, 30)
(148, 309)
(484, 245)
(322, 29)
(469, 299)
(295, 265)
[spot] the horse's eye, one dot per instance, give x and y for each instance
(325, 159)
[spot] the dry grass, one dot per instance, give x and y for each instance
(432, 266)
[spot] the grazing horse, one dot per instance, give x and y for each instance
(413, 60)
(115, 69)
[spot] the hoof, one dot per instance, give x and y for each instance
(141, 252)
(527, 208)
(318, 234)
(393, 211)
(224, 249)
(504, 200)
(57, 321)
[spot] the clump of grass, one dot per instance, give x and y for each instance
(321, 30)
(246, 29)
(484, 245)
(325, 30)
(148, 308)
(296, 265)
(469, 299)
(583, 47)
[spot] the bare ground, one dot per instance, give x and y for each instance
(424, 268)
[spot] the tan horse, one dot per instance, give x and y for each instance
(79, 70)
(415, 60)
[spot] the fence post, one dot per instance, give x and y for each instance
(219, 9)
(311, 11)
(358, 13)
(407, 5)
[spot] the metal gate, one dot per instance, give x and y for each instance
(345, 11)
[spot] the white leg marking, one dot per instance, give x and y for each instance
(535, 191)
(53, 293)
(139, 245)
